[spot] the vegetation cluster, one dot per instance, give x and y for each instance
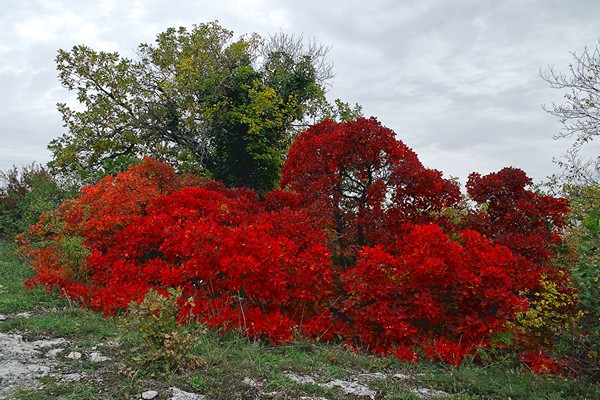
(207, 196)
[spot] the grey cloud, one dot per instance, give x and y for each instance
(458, 81)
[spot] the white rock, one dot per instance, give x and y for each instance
(401, 376)
(42, 344)
(149, 395)
(12, 372)
(428, 393)
(2, 317)
(23, 315)
(54, 352)
(71, 377)
(373, 375)
(13, 347)
(302, 380)
(251, 382)
(354, 388)
(97, 357)
(312, 398)
(274, 395)
(74, 355)
(179, 394)
(21, 361)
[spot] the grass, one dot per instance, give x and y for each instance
(49, 313)
(230, 360)
(493, 382)
(13, 274)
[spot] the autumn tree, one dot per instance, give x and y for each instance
(365, 180)
(198, 99)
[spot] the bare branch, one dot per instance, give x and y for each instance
(580, 114)
(294, 47)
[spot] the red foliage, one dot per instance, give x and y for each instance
(527, 223)
(242, 266)
(356, 249)
(260, 266)
(110, 205)
(446, 351)
(102, 211)
(541, 364)
(365, 181)
(425, 287)
(520, 219)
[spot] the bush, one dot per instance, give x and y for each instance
(583, 237)
(365, 182)
(427, 290)
(528, 223)
(25, 194)
(360, 246)
(582, 257)
(266, 273)
(245, 265)
(93, 220)
(153, 340)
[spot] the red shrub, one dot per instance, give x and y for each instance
(541, 364)
(520, 219)
(357, 249)
(446, 351)
(242, 262)
(529, 224)
(61, 241)
(425, 287)
(107, 207)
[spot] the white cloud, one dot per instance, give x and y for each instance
(40, 29)
(50, 28)
(137, 11)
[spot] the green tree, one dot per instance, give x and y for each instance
(198, 99)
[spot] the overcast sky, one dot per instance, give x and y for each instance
(457, 80)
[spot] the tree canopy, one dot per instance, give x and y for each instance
(198, 99)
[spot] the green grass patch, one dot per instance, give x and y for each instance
(49, 314)
(84, 390)
(14, 298)
(83, 325)
(502, 382)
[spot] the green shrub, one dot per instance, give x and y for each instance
(587, 270)
(582, 255)
(25, 193)
(583, 237)
(587, 275)
(153, 341)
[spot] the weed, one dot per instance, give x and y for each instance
(154, 341)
